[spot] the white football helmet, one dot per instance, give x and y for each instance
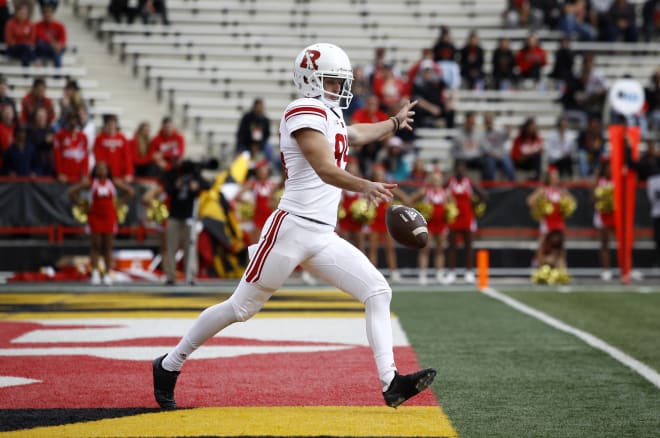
(319, 61)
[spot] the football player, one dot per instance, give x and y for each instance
(301, 231)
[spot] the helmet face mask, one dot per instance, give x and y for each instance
(316, 63)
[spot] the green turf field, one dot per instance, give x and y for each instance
(505, 374)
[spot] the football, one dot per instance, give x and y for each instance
(407, 226)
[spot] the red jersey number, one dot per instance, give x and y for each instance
(341, 149)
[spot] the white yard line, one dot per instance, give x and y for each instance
(642, 369)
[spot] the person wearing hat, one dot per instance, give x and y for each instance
(51, 36)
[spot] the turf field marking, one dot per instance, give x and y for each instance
(640, 368)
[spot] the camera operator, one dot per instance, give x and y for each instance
(182, 183)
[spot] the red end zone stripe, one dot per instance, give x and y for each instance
(254, 270)
(305, 110)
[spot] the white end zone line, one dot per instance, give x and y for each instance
(644, 370)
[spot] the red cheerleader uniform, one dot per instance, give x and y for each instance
(554, 221)
(378, 225)
(263, 192)
(604, 220)
(348, 223)
(461, 191)
(437, 198)
(102, 214)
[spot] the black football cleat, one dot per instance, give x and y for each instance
(164, 382)
(404, 387)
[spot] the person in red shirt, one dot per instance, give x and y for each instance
(433, 193)
(462, 189)
(70, 151)
(102, 216)
(263, 190)
(604, 215)
(21, 36)
(552, 226)
(168, 145)
(112, 147)
(143, 161)
(390, 88)
(51, 36)
(531, 58)
(349, 228)
(35, 99)
(369, 113)
(527, 149)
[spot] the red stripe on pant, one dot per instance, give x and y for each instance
(256, 265)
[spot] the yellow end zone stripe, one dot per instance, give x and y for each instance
(421, 421)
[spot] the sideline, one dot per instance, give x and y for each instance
(640, 368)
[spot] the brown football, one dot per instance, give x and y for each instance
(407, 226)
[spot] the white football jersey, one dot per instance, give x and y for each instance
(305, 194)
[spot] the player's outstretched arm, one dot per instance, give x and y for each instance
(363, 133)
(314, 147)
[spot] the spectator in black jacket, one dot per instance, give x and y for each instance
(472, 62)
(562, 70)
(623, 21)
(503, 66)
(444, 49)
(652, 96)
(20, 158)
(254, 131)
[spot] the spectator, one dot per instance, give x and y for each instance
(112, 148)
(493, 146)
(254, 132)
(4, 17)
(530, 59)
(20, 158)
(574, 21)
(118, 9)
(559, 148)
(465, 146)
(523, 13)
(370, 113)
(418, 172)
(5, 99)
(71, 100)
(51, 36)
(652, 96)
(71, 152)
(415, 74)
(429, 91)
(648, 164)
(394, 161)
(586, 93)
(390, 89)
(374, 70)
(36, 98)
(182, 183)
(528, 149)
(143, 162)
(88, 128)
(168, 145)
(7, 128)
(548, 10)
(361, 89)
(21, 36)
(622, 22)
(650, 19)
(503, 66)
(562, 70)
(600, 17)
(151, 8)
(472, 62)
(590, 146)
(444, 49)
(40, 136)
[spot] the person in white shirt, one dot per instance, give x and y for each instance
(559, 148)
(301, 231)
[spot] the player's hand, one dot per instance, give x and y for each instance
(378, 192)
(405, 115)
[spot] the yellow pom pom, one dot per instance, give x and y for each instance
(79, 211)
(425, 209)
(451, 212)
(362, 212)
(122, 211)
(567, 206)
(157, 211)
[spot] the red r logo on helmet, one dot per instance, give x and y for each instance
(309, 60)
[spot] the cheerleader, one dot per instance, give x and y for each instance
(263, 189)
(347, 226)
(378, 230)
(552, 226)
(462, 189)
(604, 215)
(102, 216)
(434, 194)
